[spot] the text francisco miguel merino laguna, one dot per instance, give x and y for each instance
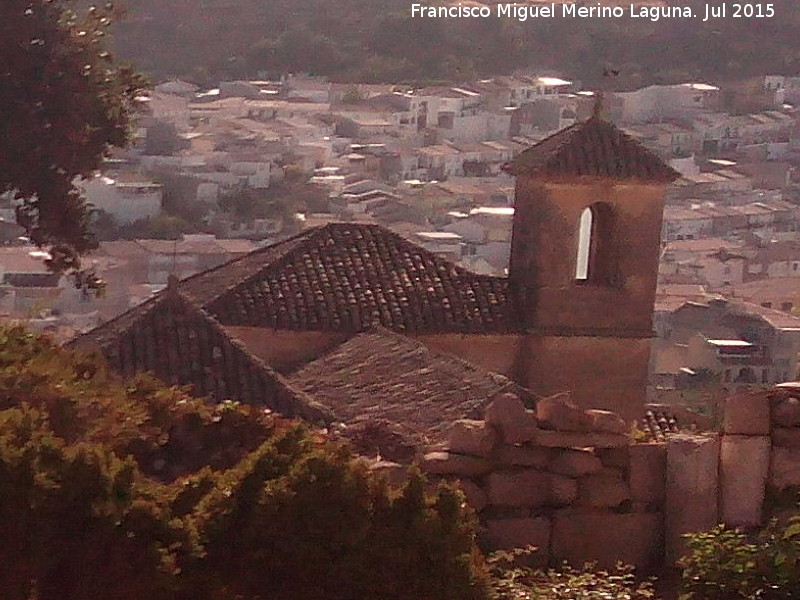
(523, 12)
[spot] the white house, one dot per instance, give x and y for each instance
(126, 202)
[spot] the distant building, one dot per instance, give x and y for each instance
(126, 202)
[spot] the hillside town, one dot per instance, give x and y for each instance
(216, 174)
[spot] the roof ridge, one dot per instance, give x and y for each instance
(301, 404)
(187, 282)
(348, 276)
(137, 311)
(311, 410)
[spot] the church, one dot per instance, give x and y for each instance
(347, 318)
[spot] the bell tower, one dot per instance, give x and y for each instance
(584, 258)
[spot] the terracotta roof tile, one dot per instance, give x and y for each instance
(351, 277)
(591, 148)
(387, 377)
(182, 345)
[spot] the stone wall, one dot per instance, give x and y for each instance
(784, 456)
(565, 480)
(572, 483)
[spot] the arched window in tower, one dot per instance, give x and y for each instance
(584, 245)
(594, 261)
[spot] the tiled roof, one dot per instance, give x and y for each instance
(591, 148)
(351, 277)
(182, 345)
(383, 376)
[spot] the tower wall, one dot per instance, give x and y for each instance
(544, 256)
(598, 371)
(591, 338)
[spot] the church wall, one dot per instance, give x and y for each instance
(286, 350)
(599, 372)
(496, 352)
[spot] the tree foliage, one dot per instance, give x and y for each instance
(63, 103)
(512, 580)
(728, 564)
(129, 490)
(367, 41)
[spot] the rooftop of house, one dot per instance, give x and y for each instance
(778, 252)
(380, 375)
(773, 286)
(777, 318)
(591, 149)
(23, 259)
(351, 277)
(703, 245)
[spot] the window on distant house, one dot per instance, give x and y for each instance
(786, 306)
(766, 304)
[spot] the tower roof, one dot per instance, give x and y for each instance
(594, 148)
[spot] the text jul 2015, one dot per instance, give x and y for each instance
(523, 12)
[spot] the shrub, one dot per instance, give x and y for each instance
(511, 581)
(728, 564)
(301, 520)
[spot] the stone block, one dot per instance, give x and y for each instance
(606, 421)
(744, 466)
(507, 534)
(691, 489)
(449, 463)
(570, 439)
(786, 413)
(561, 414)
(476, 496)
(615, 457)
(527, 487)
(515, 423)
(522, 456)
(564, 490)
(605, 538)
(603, 491)
(466, 436)
(788, 437)
(747, 412)
(612, 472)
(575, 463)
(784, 470)
(648, 472)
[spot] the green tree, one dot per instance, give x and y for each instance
(729, 564)
(63, 103)
(162, 139)
(76, 522)
(129, 490)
